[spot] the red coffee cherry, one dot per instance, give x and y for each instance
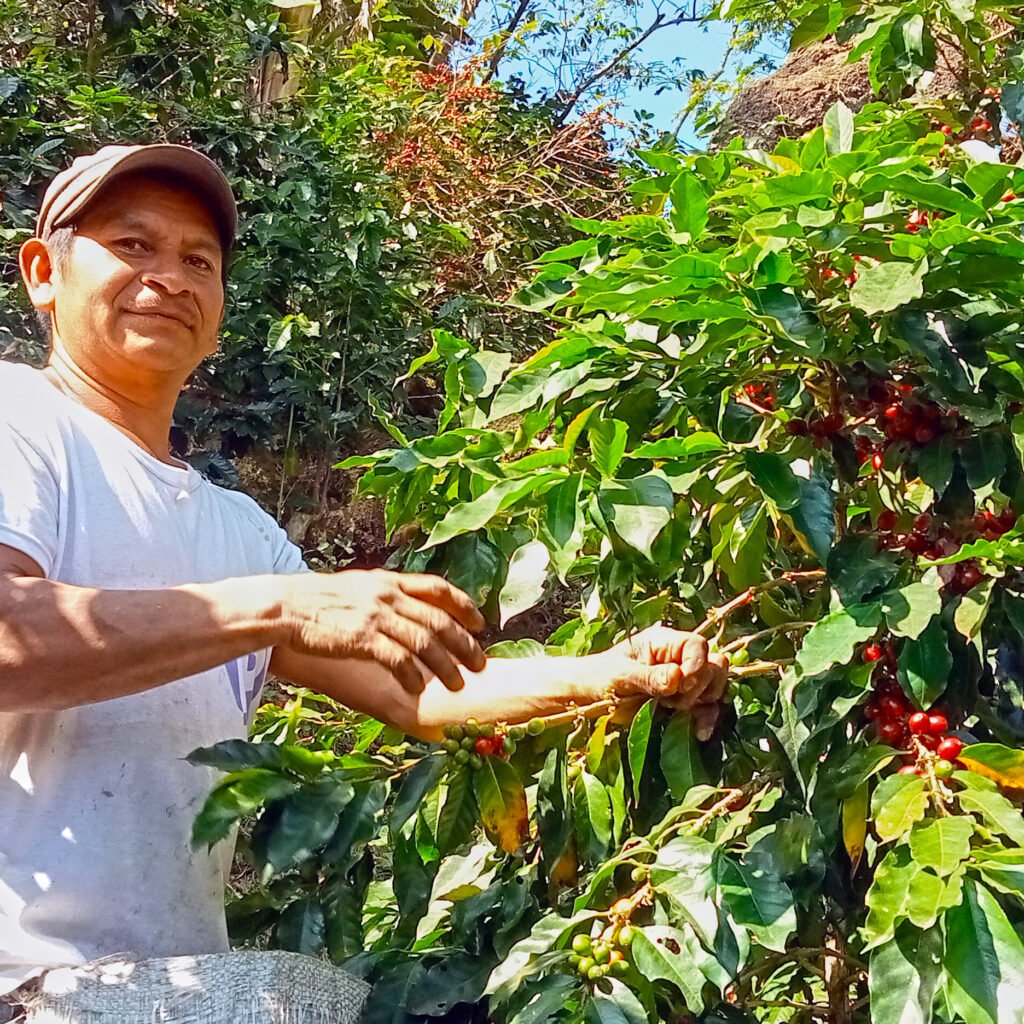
(890, 732)
(872, 653)
(918, 723)
(923, 522)
(887, 519)
(937, 724)
(950, 748)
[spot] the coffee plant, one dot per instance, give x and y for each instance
(785, 409)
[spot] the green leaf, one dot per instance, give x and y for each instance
(358, 823)
(236, 755)
(473, 515)
(416, 783)
(1003, 765)
(301, 928)
(661, 953)
(307, 821)
(502, 800)
(833, 639)
(680, 755)
(974, 605)
(524, 584)
(547, 1001)
(984, 960)
(637, 743)
(608, 439)
(343, 907)
(815, 516)
(774, 475)
(638, 509)
(935, 464)
(621, 1006)
(593, 812)
(909, 609)
(236, 797)
(930, 895)
(884, 287)
(760, 902)
(888, 894)
(941, 843)
(689, 210)
(904, 975)
(459, 813)
(924, 665)
(996, 811)
(839, 129)
(554, 822)
(897, 804)
(683, 871)
(791, 320)
(699, 443)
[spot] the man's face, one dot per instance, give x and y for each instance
(141, 286)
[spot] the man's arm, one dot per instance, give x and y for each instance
(62, 646)
(659, 662)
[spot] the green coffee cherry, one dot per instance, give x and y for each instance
(517, 733)
(453, 732)
(595, 973)
(472, 727)
(508, 746)
(626, 934)
(461, 756)
(620, 968)
(601, 953)
(943, 769)
(535, 726)
(640, 873)
(740, 657)
(585, 965)
(574, 771)
(468, 743)
(476, 762)
(574, 960)
(581, 944)
(486, 730)
(450, 746)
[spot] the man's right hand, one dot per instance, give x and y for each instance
(414, 625)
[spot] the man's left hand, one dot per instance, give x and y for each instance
(677, 668)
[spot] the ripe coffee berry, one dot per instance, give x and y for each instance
(796, 428)
(950, 748)
(876, 460)
(890, 732)
(923, 522)
(937, 724)
(918, 723)
(887, 519)
(872, 653)
(892, 707)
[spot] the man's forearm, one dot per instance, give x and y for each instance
(507, 689)
(62, 646)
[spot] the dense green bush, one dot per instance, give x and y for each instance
(784, 407)
(345, 256)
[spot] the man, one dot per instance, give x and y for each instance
(141, 607)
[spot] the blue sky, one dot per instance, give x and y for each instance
(690, 46)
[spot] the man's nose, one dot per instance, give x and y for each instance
(168, 275)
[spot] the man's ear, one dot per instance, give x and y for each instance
(37, 270)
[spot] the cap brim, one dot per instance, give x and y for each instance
(191, 166)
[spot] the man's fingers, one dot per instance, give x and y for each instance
(410, 672)
(705, 718)
(694, 655)
(428, 649)
(440, 592)
(458, 640)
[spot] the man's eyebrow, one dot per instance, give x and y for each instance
(132, 222)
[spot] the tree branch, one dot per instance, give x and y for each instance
(509, 31)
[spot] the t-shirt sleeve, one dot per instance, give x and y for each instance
(287, 556)
(29, 499)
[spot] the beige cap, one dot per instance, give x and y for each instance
(72, 190)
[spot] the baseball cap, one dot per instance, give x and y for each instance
(73, 189)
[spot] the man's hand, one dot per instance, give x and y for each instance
(416, 626)
(675, 667)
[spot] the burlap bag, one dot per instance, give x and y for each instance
(220, 988)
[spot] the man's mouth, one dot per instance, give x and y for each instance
(163, 315)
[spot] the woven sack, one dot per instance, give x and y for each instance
(219, 988)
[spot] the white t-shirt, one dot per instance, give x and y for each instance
(97, 803)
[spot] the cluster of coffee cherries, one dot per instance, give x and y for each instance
(904, 417)
(922, 734)
(605, 954)
(761, 394)
(471, 742)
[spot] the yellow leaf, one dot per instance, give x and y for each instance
(997, 762)
(855, 825)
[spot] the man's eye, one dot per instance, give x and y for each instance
(131, 244)
(201, 262)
